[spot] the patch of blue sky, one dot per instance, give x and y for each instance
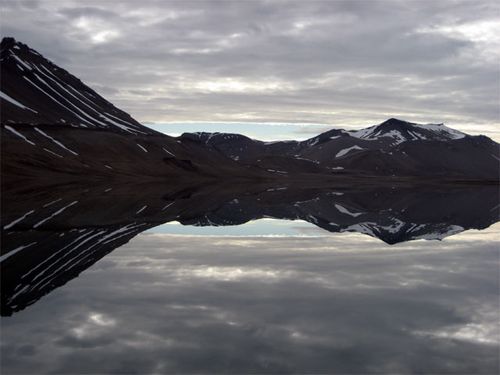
(261, 131)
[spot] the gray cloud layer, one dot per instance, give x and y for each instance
(334, 62)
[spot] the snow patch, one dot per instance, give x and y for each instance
(54, 214)
(442, 130)
(365, 228)
(16, 250)
(22, 62)
(167, 206)
(347, 150)
(277, 189)
(15, 102)
(141, 147)
(168, 152)
(55, 141)
(362, 133)
(55, 100)
(347, 212)
(51, 203)
(19, 134)
(10, 225)
(449, 230)
(53, 153)
(395, 227)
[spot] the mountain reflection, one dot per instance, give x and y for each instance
(51, 235)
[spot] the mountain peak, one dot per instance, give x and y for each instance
(7, 42)
(10, 46)
(394, 121)
(401, 131)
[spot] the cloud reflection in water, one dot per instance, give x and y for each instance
(343, 304)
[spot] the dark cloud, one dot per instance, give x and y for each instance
(342, 62)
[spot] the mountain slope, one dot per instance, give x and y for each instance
(32, 84)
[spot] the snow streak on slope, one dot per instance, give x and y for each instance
(9, 128)
(347, 150)
(15, 102)
(442, 130)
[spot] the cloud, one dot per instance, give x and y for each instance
(341, 63)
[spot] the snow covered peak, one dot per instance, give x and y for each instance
(442, 130)
(401, 131)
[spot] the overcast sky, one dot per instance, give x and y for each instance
(343, 64)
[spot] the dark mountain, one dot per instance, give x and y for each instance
(393, 148)
(54, 126)
(37, 92)
(51, 234)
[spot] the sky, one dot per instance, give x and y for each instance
(276, 69)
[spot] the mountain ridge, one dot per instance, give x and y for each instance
(54, 112)
(335, 148)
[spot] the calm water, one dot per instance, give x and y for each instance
(266, 296)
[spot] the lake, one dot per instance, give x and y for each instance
(262, 279)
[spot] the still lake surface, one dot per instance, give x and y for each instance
(266, 296)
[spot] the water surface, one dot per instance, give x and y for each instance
(120, 291)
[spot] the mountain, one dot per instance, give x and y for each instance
(55, 127)
(51, 234)
(37, 92)
(392, 148)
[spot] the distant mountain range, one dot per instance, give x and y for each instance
(393, 148)
(53, 123)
